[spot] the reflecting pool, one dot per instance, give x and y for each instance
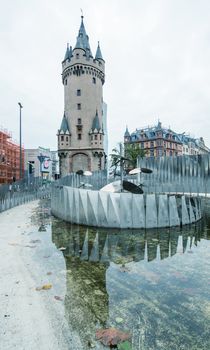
(154, 284)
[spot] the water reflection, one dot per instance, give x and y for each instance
(155, 282)
(123, 246)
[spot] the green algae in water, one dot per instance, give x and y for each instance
(157, 282)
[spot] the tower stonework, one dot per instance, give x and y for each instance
(81, 136)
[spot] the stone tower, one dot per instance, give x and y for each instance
(81, 137)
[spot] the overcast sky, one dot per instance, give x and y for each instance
(157, 55)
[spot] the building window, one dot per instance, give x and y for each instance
(78, 92)
(62, 138)
(65, 81)
(79, 106)
(95, 137)
(67, 139)
(100, 137)
(142, 144)
(79, 121)
(94, 80)
(79, 136)
(77, 55)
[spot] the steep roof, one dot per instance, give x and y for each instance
(64, 125)
(68, 53)
(150, 133)
(96, 123)
(83, 39)
(126, 132)
(98, 55)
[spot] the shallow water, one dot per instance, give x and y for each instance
(154, 284)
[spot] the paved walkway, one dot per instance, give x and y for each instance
(31, 319)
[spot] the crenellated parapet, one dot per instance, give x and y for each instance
(78, 68)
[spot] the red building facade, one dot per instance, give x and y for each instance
(9, 159)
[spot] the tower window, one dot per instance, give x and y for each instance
(79, 136)
(79, 121)
(94, 80)
(96, 137)
(100, 137)
(65, 81)
(77, 55)
(62, 138)
(78, 92)
(67, 139)
(79, 106)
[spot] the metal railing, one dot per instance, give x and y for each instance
(21, 192)
(185, 174)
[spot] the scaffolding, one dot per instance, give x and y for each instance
(9, 158)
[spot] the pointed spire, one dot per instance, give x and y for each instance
(83, 39)
(96, 123)
(98, 53)
(126, 132)
(70, 52)
(67, 53)
(64, 128)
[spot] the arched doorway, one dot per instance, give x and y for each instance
(79, 162)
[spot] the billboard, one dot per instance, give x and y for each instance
(45, 165)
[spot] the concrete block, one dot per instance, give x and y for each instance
(151, 211)
(184, 212)
(163, 213)
(83, 207)
(113, 210)
(75, 206)
(126, 219)
(92, 208)
(173, 212)
(138, 211)
(102, 209)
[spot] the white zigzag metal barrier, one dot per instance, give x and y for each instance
(171, 196)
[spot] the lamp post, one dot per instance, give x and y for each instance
(20, 141)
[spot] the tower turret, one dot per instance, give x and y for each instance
(83, 77)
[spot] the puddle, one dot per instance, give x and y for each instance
(154, 284)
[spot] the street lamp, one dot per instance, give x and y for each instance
(20, 141)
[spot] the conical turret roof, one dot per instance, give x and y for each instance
(126, 132)
(96, 123)
(98, 53)
(68, 53)
(83, 39)
(64, 128)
